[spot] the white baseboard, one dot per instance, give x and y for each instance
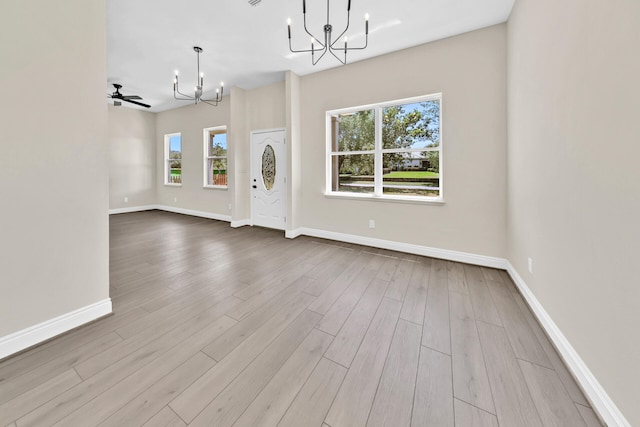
(292, 234)
(485, 261)
(599, 398)
(132, 209)
(18, 341)
(240, 223)
(200, 214)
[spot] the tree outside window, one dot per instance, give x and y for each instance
(387, 149)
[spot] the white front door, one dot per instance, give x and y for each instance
(268, 179)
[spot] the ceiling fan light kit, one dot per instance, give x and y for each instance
(197, 95)
(329, 45)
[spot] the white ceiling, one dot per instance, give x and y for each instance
(247, 46)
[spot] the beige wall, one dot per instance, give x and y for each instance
(242, 111)
(470, 71)
(239, 156)
(54, 254)
(132, 157)
(294, 146)
(574, 197)
(190, 122)
(266, 107)
(257, 109)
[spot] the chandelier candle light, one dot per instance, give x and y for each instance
(329, 45)
(198, 89)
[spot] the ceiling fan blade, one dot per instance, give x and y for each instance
(136, 102)
(131, 97)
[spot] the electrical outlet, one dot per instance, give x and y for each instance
(175, 200)
(530, 263)
(372, 223)
(229, 206)
(126, 199)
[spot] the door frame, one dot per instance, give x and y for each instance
(251, 172)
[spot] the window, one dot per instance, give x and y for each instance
(215, 157)
(390, 150)
(173, 159)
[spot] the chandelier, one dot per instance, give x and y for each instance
(330, 44)
(197, 96)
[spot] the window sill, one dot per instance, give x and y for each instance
(387, 199)
(172, 185)
(215, 187)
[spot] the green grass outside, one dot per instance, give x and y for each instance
(411, 174)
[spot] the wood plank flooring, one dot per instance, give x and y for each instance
(215, 326)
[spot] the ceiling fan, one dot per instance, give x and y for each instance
(117, 96)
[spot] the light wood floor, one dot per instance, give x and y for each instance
(216, 326)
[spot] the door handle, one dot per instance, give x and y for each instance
(254, 186)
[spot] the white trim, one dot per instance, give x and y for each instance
(292, 234)
(417, 200)
(206, 157)
(267, 130)
(201, 214)
(241, 223)
(412, 100)
(167, 151)
(378, 151)
(485, 261)
(28, 337)
(599, 398)
(132, 209)
(596, 394)
(253, 176)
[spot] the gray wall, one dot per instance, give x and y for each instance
(54, 255)
(574, 197)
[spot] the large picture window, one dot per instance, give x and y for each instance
(389, 150)
(215, 157)
(173, 159)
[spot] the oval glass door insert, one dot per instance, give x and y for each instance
(268, 167)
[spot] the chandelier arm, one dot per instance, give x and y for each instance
(330, 44)
(186, 98)
(304, 23)
(345, 30)
(217, 99)
(210, 102)
(191, 98)
(337, 57)
(176, 89)
(366, 43)
(199, 84)
(324, 52)
(299, 51)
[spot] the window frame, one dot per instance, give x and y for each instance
(167, 161)
(205, 155)
(378, 152)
